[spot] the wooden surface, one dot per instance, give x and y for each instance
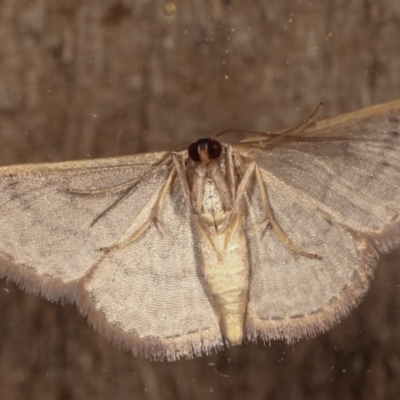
(97, 78)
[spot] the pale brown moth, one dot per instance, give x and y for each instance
(177, 254)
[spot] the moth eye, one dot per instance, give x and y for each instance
(214, 149)
(192, 151)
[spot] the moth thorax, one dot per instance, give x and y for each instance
(212, 203)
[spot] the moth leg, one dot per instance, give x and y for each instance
(108, 189)
(153, 217)
(210, 241)
(119, 186)
(232, 165)
(129, 190)
(105, 190)
(181, 172)
(269, 218)
(116, 202)
(234, 222)
(258, 227)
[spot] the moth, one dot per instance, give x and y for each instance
(182, 253)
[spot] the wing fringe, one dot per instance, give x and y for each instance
(50, 288)
(308, 326)
(171, 349)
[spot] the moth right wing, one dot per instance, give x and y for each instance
(292, 296)
(348, 167)
(335, 192)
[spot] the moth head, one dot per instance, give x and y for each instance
(204, 150)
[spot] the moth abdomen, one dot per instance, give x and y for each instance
(226, 271)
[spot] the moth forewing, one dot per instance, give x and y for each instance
(45, 233)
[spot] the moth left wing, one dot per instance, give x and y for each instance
(146, 296)
(47, 242)
(150, 295)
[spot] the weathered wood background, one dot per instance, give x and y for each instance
(99, 78)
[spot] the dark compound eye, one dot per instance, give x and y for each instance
(214, 149)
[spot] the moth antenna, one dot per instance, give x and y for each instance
(305, 123)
